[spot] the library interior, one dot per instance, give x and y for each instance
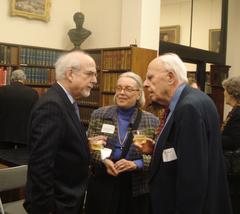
(118, 37)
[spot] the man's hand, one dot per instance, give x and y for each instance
(147, 147)
(110, 167)
(97, 142)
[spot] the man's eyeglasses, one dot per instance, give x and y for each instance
(127, 89)
(87, 73)
(91, 73)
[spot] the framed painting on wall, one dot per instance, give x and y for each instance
(32, 9)
(214, 40)
(170, 34)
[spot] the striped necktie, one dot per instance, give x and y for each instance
(163, 121)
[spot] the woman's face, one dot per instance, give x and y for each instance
(127, 93)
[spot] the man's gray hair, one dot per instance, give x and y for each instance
(139, 84)
(172, 62)
(18, 75)
(68, 61)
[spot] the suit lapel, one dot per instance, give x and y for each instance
(71, 112)
(68, 105)
(157, 156)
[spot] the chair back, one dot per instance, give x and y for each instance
(13, 177)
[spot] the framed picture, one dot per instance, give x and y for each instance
(32, 9)
(170, 34)
(214, 40)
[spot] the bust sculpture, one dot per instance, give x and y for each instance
(79, 34)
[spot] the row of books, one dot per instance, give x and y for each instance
(8, 54)
(109, 81)
(38, 56)
(97, 59)
(116, 59)
(85, 113)
(42, 76)
(107, 99)
(5, 73)
(93, 99)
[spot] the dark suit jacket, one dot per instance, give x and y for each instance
(194, 183)
(59, 158)
(231, 131)
(16, 102)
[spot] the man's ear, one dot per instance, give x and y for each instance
(171, 77)
(69, 75)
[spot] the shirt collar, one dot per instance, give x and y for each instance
(176, 97)
(72, 100)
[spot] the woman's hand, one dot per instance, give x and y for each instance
(125, 165)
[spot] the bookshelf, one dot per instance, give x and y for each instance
(37, 62)
(111, 63)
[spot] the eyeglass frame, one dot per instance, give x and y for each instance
(127, 89)
(88, 73)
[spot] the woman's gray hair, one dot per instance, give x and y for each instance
(139, 85)
(232, 86)
(69, 60)
(18, 75)
(172, 62)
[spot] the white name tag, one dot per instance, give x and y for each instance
(105, 153)
(107, 128)
(169, 155)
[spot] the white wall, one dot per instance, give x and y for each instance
(173, 13)
(53, 34)
(140, 23)
(103, 18)
(233, 41)
(206, 15)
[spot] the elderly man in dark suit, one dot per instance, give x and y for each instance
(59, 160)
(16, 102)
(187, 169)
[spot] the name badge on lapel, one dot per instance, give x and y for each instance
(107, 128)
(169, 155)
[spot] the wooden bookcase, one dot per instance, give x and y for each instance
(111, 62)
(37, 62)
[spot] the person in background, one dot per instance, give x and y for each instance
(192, 82)
(16, 102)
(187, 168)
(231, 136)
(119, 182)
(59, 159)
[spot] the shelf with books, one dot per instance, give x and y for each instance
(37, 62)
(112, 62)
(116, 61)
(9, 54)
(91, 101)
(85, 113)
(5, 72)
